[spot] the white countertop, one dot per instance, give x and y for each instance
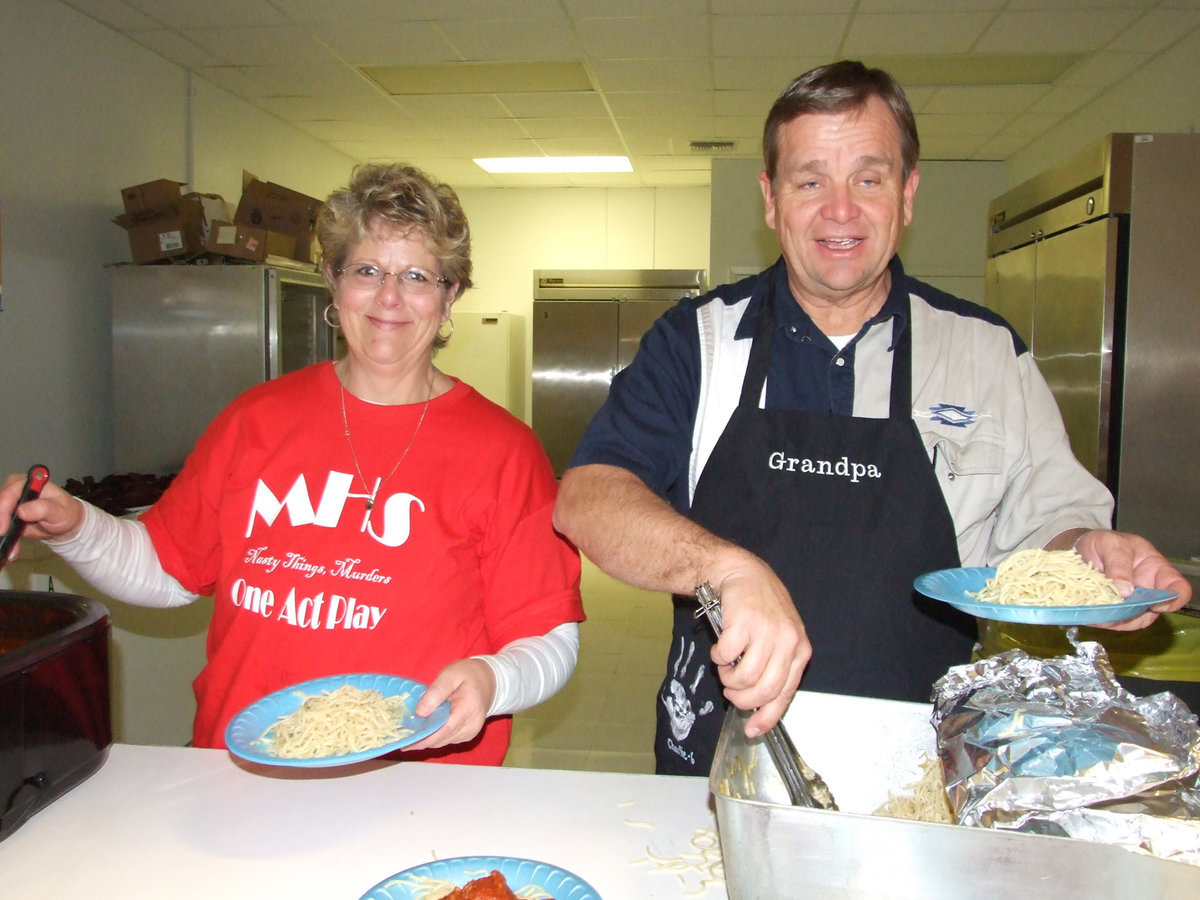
(180, 822)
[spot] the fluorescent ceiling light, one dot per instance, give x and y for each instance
(508, 165)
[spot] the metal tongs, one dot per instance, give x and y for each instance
(804, 786)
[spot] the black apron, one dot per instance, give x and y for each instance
(847, 512)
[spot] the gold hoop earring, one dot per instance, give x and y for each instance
(330, 322)
(446, 337)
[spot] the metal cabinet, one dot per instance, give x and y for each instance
(587, 325)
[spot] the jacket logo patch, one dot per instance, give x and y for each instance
(949, 414)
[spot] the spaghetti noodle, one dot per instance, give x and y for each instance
(925, 800)
(338, 722)
(1048, 578)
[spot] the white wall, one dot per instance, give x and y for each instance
(1163, 96)
(516, 231)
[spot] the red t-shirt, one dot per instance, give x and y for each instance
(458, 557)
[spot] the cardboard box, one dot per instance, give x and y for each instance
(249, 242)
(281, 210)
(170, 235)
(147, 200)
(179, 230)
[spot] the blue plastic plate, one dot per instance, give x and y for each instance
(244, 732)
(952, 586)
(526, 877)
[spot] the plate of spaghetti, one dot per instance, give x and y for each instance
(1038, 587)
(332, 721)
(525, 879)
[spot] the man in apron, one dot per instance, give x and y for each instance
(812, 438)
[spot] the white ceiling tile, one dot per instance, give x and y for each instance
(1103, 69)
(643, 37)
(754, 104)
(664, 72)
(483, 129)
(773, 75)
(666, 127)
(1003, 98)
(308, 109)
(779, 36)
(588, 147)
(174, 46)
(696, 162)
(1001, 146)
(565, 104)
(385, 43)
(453, 106)
(1159, 29)
(641, 144)
(928, 6)
(1064, 99)
(511, 39)
(780, 7)
(116, 14)
(951, 146)
(1031, 124)
(184, 14)
(1068, 31)
(1043, 5)
(748, 134)
(690, 73)
(660, 103)
(914, 33)
(581, 9)
(570, 129)
(977, 124)
(312, 81)
(269, 45)
(308, 12)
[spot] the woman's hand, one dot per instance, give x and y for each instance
(55, 514)
(469, 685)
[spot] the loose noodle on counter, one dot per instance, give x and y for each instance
(1048, 578)
(338, 722)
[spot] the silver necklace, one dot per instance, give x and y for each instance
(354, 456)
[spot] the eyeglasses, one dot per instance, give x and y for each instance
(414, 281)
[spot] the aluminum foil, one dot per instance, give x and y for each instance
(1058, 747)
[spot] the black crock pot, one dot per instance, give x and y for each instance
(55, 703)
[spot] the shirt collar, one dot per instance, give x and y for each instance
(789, 313)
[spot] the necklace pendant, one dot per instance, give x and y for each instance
(370, 503)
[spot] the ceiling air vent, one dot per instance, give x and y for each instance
(711, 146)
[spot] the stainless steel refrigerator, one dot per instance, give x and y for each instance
(587, 324)
(1093, 262)
(188, 339)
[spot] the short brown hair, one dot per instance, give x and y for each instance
(835, 88)
(397, 198)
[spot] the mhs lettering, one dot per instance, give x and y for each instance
(393, 516)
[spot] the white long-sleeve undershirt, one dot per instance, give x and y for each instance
(117, 557)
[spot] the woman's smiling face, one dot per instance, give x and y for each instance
(387, 325)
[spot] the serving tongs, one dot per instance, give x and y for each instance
(804, 786)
